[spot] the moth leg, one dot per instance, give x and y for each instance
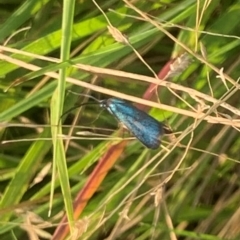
(122, 129)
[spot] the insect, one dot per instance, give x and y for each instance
(145, 128)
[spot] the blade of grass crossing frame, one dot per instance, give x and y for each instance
(59, 161)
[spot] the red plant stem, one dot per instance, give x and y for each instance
(104, 165)
(94, 181)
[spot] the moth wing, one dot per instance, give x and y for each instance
(144, 127)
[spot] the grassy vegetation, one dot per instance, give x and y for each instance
(188, 188)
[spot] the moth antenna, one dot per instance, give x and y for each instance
(85, 95)
(77, 106)
(82, 104)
